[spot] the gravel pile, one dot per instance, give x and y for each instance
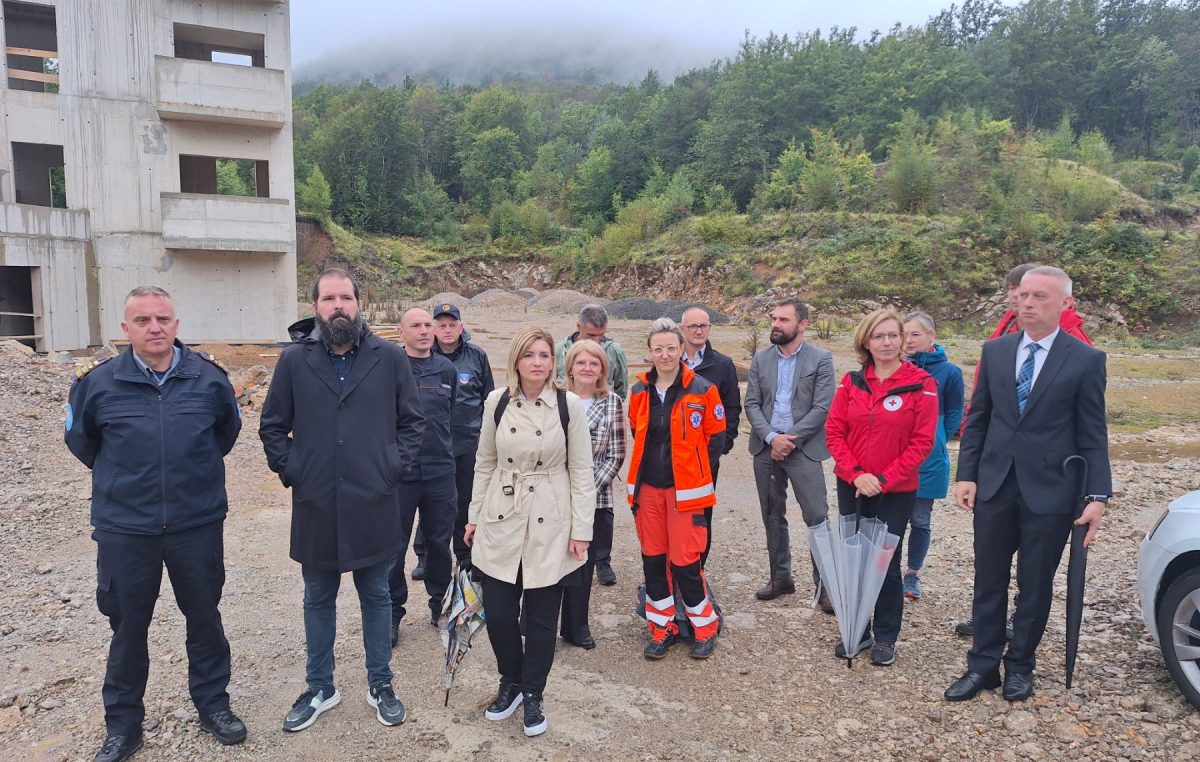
(641, 308)
(449, 297)
(563, 301)
(497, 297)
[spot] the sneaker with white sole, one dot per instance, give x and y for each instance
(535, 719)
(311, 705)
(508, 698)
(883, 654)
(389, 710)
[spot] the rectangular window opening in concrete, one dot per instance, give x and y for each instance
(205, 43)
(31, 47)
(224, 176)
(39, 175)
(18, 318)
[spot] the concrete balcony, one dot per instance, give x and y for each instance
(203, 91)
(206, 222)
(27, 220)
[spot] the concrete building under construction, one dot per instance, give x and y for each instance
(146, 142)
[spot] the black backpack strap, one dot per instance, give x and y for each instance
(564, 416)
(500, 405)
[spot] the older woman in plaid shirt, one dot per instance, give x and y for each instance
(586, 367)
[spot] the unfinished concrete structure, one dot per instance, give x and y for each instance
(146, 142)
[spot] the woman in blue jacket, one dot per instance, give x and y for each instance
(919, 346)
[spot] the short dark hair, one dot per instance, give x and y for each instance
(800, 307)
(333, 272)
(1013, 279)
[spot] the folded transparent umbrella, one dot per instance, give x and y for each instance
(852, 553)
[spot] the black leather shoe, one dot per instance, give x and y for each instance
(225, 726)
(395, 633)
(969, 685)
(702, 649)
(1018, 687)
(585, 641)
(657, 649)
(117, 748)
(418, 572)
(775, 588)
(605, 575)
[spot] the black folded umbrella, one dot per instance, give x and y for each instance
(1076, 566)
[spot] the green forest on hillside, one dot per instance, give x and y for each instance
(917, 164)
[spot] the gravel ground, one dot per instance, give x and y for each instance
(772, 691)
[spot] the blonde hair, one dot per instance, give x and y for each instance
(862, 336)
(664, 325)
(520, 345)
(587, 346)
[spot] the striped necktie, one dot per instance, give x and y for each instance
(1025, 378)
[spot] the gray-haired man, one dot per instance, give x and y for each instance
(593, 322)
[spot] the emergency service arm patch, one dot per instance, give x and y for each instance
(719, 412)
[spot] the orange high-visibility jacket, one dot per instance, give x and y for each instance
(698, 415)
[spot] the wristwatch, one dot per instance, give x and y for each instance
(1097, 499)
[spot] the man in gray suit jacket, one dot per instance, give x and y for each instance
(787, 401)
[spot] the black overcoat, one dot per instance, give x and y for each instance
(342, 451)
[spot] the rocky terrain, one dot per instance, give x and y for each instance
(772, 691)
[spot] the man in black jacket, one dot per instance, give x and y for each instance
(474, 384)
(717, 368)
(154, 426)
(1039, 399)
(429, 484)
(341, 426)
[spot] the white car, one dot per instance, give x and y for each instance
(1169, 585)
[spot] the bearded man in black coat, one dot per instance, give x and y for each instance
(341, 426)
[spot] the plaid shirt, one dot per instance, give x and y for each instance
(606, 423)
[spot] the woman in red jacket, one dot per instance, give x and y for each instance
(880, 429)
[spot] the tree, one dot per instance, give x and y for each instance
(313, 196)
(591, 190)
(489, 166)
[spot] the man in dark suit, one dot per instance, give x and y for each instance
(1039, 399)
(788, 393)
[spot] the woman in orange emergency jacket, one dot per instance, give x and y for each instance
(678, 426)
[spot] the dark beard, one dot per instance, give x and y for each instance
(341, 329)
(780, 339)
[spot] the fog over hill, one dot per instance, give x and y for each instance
(516, 52)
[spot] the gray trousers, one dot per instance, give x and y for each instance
(808, 485)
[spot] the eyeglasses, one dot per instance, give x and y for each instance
(697, 326)
(664, 351)
(878, 337)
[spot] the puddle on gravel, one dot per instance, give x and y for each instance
(1154, 452)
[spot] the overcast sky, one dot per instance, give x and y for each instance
(703, 29)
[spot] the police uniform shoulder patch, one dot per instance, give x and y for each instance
(214, 361)
(89, 366)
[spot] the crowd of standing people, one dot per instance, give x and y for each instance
(516, 482)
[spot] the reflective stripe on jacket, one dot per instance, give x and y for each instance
(697, 418)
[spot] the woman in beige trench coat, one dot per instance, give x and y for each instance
(530, 520)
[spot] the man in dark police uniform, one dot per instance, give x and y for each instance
(154, 425)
